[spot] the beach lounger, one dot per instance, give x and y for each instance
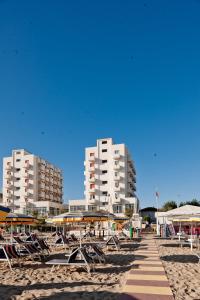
(8, 253)
(96, 253)
(79, 258)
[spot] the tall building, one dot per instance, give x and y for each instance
(110, 179)
(31, 184)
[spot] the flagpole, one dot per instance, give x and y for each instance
(157, 225)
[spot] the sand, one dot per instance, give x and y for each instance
(182, 269)
(34, 280)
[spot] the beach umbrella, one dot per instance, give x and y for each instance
(17, 219)
(77, 217)
(4, 212)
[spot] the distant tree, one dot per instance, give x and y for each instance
(169, 205)
(194, 202)
(129, 212)
(147, 219)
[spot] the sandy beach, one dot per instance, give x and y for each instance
(36, 281)
(182, 268)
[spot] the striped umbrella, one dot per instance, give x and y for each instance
(79, 217)
(18, 219)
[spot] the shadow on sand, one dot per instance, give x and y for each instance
(180, 258)
(10, 291)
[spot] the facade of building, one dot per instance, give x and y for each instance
(110, 179)
(31, 184)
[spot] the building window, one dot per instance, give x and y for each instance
(17, 160)
(91, 164)
(104, 182)
(104, 172)
(116, 163)
(91, 154)
(104, 142)
(116, 184)
(105, 193)
(74, 208)
(18, 152)
(17, 178)
(117, 209)
(17, 188)
(18, 169)
(116, 151)
(92, 208)
(92, 197)
(17, 197)
(92, 185)
(104, 150)
(104, 161)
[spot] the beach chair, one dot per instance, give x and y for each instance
(73, 238)
(43, 246)
(96, 253)
(31, 238)
(17, 240)
(113, 241)
(79, 258)
(8, 253)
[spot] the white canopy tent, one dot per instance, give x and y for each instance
(186, 210)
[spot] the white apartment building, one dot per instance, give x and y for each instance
(31, 184)
(110, 179)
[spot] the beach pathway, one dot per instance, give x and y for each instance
(147, 279)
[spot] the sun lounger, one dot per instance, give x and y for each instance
(8, 253)
(96, 253)
(79, 257)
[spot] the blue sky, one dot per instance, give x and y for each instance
(75, 71)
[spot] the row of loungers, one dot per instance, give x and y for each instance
(85, 256)
(38, 248)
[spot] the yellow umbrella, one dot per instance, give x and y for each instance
(17, 219)
(3, 212)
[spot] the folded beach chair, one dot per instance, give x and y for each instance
(8, 253)
(79, 257)
(113, 241)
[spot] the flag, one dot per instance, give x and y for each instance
(157, 195)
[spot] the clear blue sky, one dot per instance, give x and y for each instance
(75, 71)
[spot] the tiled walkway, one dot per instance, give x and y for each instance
(147, 279)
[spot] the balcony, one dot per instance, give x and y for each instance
(117, 188)
(92, 190)
(91, 159)
(117, 200)
(116, 156)
(8, 167)
(91, 169)
(92, 179)
(116, 167)
(8, 176)
(26, 184)
(92, 201)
